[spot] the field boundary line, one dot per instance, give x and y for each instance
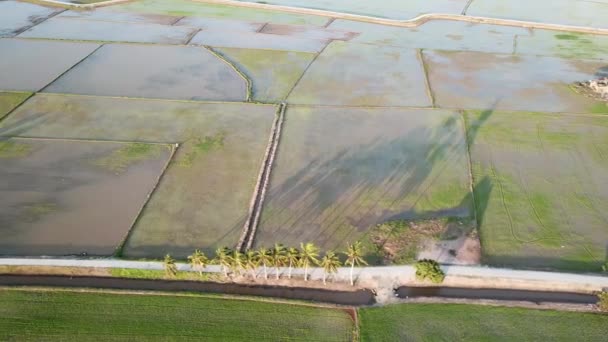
(255, 198)
(89, 140)
(160, 99)
(306, 70)
(413, 22)
(118, 252)
(66, 5)
(247, 79)
(465, 128)
(190, 36)
(427, 80)
(267, 173)
(70, 68)
(36, 23)
(180, 44)
(466, 7)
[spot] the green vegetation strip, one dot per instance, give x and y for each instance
(78, 316)
(457, 322)
(132, 273)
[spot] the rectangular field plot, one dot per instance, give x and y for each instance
(341, 172)
(29, 65)
(189, 8)
(203, 197)
(437, 34)
(393, 9)
(66, 197)
(565, 12)
(541, 189)
(108, 14)
(170, 72)
(473, 80)
(16, 16)
(96, 30)
(86, 316)
(366, 75)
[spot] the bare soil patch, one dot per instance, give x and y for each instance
(452, 241)
(595, 89)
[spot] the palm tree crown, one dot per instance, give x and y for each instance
(199, 261)
(265, 259)
(354, 256)
(308, 255)
(278, 257)
(293, 258)
(170, 267)
(330, 264)
(222, 257)
(251, 261)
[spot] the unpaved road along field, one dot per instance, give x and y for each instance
(448, 139)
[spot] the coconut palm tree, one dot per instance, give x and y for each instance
(252, 262)
(265, 258)
(354, 256)
(293, 258)
(170, 267)
(198, 261)
(309, 254)
(222, 257)
(330, 264)
(237, 261)
(278, 257)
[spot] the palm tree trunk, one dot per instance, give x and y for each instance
(265, 273)
(352, 266)
(277, 273)
(290, 267)
(324, 276)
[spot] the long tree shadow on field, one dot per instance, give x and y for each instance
(336, 199)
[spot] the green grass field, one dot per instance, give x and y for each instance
(456, 322)
(541, 188)
(73, 316)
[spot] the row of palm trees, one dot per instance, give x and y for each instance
(306, 256)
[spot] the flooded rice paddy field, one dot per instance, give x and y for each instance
(445, 124)
(73, 197)
(341, 171)
(186, 73)
(202, 199)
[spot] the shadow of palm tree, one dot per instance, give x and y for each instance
(338, 198)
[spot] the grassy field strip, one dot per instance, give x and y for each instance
(65, 315)
(271, 300)
(458, 322)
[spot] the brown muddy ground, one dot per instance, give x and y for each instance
(62, 197)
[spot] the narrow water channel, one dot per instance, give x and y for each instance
(496, 294)
(355, 298)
